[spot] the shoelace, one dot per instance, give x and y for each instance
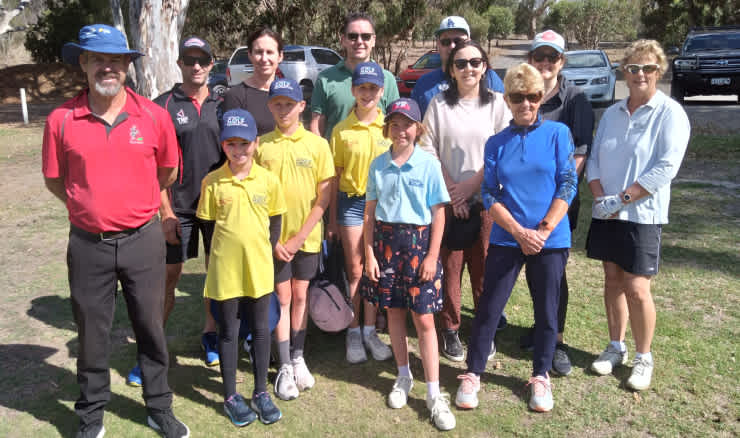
(468, 382)
(539, 385)
(441, 403)
(639, 366)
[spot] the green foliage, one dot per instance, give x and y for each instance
(590, 21)
(61, 23)
(668, 21)
(478, 26)
(500, 21)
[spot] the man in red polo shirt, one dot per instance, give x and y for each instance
(107, 154)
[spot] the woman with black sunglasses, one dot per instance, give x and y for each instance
(567, 104)
(529, 180)
(458, 122)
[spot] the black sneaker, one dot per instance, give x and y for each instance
(92, 430)
(166, 424)
(503, 322)
(451, 346)
(560, 361)
(265, 408)
(238, 411)
(526, 341)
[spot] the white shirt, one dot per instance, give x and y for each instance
(647, 147)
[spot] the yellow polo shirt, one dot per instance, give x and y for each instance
(355, 145)
(301, 161)
(241, 254)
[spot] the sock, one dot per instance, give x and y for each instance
(647, 356)
(354, 330)
(297, 341)
(404, 371)
(432, 390)
(283, 352)
(619, 345)
(367, 330)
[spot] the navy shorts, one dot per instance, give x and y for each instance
(350, 210)
(633, 247)
(303, 267)
(399, 250)
(190, 227)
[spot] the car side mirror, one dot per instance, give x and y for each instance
(673, 51)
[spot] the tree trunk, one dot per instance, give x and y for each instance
(155, 27)
(7, 16)
(119, 24)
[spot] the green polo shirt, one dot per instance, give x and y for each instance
(332, 94)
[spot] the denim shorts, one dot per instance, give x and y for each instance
(350, 210)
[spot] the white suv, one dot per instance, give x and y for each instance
(300, 63)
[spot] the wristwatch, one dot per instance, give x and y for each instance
(626, 198)
(544, 224)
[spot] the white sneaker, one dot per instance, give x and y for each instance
(442, 416)
(355, 349)
(467, 393)
(540, 398)
(400, 392)
(608, 359)
(285, 387)
(303, 378)
(642, 373)
(378, 349)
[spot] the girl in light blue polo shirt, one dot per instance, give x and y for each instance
(404, 222)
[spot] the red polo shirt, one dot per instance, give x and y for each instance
(110, 172)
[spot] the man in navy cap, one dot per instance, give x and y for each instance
(452, 30)
(107, 154)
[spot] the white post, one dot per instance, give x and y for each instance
(24, 107)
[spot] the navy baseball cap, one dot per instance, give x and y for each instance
(194, 42)
(286, 87)
(368, 72)
(99, 38)
(238, 123)
(407, 107)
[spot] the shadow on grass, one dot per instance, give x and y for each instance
(706, 258)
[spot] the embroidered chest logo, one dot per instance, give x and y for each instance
(135, 136)
(182, 119)
(413, 182)
(224, 201)
(383, 142)
(303, 162)
(259, 199)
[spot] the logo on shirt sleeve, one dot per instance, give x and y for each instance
(182, 119)
(135, 136)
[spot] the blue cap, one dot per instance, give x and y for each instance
(453, 22)
(286, 87)
(238, 123)
(99, 38)
(407, 107)
(368, 72)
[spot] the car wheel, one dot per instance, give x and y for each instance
(219, 89)
(677, 92)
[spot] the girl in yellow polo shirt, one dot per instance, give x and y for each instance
(355, 142)
(246, 203)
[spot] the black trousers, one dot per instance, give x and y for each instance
(95, 267)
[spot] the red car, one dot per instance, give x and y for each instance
(407, 79)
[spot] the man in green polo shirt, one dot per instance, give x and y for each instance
(332, 96)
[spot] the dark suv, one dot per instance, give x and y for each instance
(708, 63)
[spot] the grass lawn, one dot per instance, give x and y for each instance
(697, 294)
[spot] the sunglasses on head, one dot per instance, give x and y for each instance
(519, 97)
(552, 57)
(474, 62)
(447, 41)
(647, 68)
(201, 60)
(353, 36)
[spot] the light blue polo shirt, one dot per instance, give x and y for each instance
(407, 193)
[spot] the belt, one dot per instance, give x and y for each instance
(110, 235)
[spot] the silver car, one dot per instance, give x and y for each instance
(300, 63)
(592, 71)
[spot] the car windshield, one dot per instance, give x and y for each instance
(428, 61)
(584, 60)
(713, 42)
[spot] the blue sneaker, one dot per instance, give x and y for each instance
(238, 411)
(209, 344)
(134, 377)
(265, 408)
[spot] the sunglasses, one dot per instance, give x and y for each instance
(353, 36)
(519, 97)
(636, 68)
(446, 42)
(552, 57)
(474, 62)
(190, 61)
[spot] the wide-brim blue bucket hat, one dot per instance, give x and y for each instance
(99, 38)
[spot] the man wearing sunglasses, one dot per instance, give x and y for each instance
(194, 112)
(452, 30)
(332, 97)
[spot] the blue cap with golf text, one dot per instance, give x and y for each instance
(99, 38)
(453, 22)
(286, 87)
(368, 72)
(407, 107)
(238, 123)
